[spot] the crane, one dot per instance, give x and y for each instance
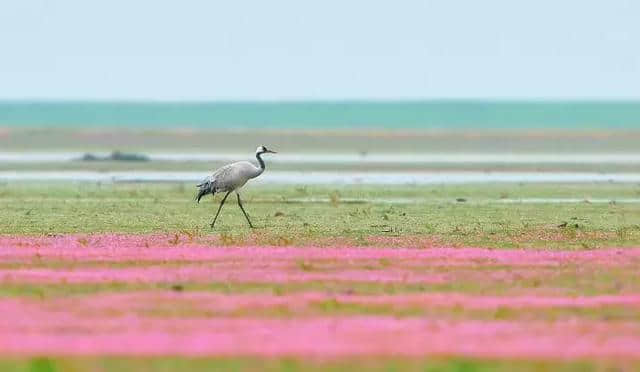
(232, 177)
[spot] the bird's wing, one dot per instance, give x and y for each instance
(219, 173)
(222, 172)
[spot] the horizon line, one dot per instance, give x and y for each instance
(321, 101)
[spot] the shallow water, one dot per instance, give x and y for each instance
(330, 178)
(383, 200)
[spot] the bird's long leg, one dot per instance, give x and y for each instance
(245, 213)
(219, 208)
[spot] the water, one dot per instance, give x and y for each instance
(354, 159)
(383, 200)
(329, 178)
(325, 115)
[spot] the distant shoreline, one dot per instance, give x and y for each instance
(347, 141)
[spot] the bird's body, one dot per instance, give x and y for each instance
(232, 177)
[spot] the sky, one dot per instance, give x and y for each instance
(213, 50)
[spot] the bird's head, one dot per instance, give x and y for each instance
(264, 150)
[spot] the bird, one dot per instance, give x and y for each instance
(232, 177)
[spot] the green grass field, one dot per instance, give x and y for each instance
(475, 215)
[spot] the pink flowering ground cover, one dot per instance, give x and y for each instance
(123, 248)
(322, 337)
(153, 295)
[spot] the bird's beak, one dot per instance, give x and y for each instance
(271, 152)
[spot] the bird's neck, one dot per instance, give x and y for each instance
(260, 161)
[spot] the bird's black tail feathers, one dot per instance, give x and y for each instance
(204, 188)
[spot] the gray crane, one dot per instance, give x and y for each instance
(232, 177)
